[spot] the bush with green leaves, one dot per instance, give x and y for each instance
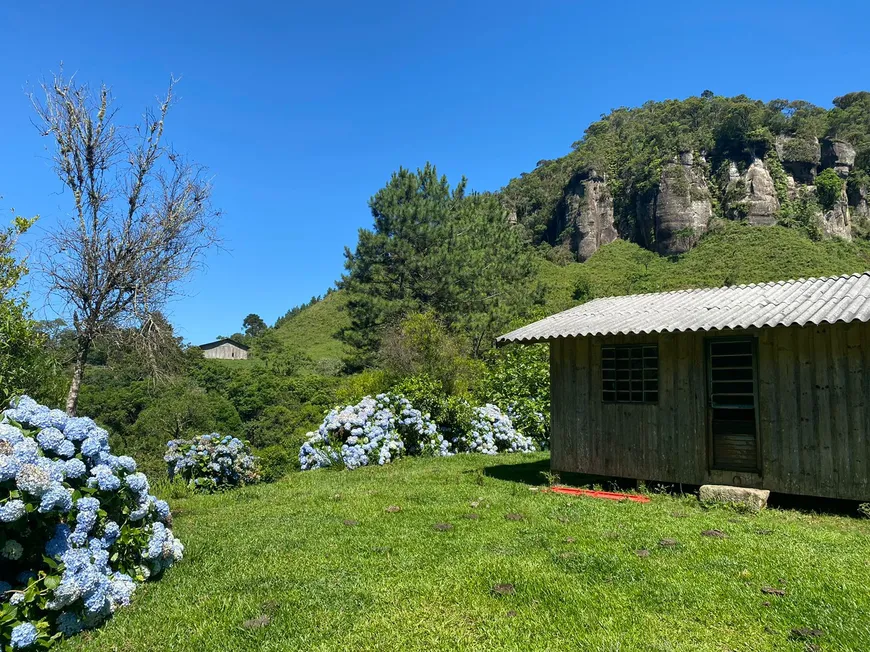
(829, 188)
(518, 380)
(451, 413)
(78, 524)
(277, 461)
(211, 462)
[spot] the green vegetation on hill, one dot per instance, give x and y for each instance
(317, 563)
(314, 330)
(629, 148)
(731, 254)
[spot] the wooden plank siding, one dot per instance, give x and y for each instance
(225, 351)
(813, 412)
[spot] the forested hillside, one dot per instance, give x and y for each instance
(660, 174)
(707, 191)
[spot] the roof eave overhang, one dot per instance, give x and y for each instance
(535, 339)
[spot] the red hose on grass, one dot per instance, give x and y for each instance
(607, 495)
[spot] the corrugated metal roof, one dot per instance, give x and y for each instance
(226, 340)
(783, 303)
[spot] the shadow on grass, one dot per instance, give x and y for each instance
(535, 474)
(530, 473)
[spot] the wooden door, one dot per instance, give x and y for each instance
(732, 400)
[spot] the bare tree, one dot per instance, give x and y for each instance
(142, 216)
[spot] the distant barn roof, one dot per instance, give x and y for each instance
(226, 340)
(783, 303)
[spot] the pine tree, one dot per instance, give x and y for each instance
(439, 249)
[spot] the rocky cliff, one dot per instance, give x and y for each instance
(680, 209)
(682, 206)
(588, 213)
(659, 175)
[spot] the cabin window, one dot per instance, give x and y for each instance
(630, 373)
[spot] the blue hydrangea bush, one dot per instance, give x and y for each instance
(374, 431)
(211, 462)
(492, 432)
(79, 528)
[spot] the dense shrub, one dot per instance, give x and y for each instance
(491, 432)
(375, 430)
(211, 462)
(451, 412)
(518, 380)
(387, 427)
(829, 188)
(78, 523)
(276, 461)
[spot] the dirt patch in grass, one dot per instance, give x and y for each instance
(257, 623)
(714, 534)
(806, 633)
(270, 607)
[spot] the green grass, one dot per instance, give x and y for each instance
(314, 330)
(730, 254)
(275, 567)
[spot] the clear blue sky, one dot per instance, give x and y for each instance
(302, 110)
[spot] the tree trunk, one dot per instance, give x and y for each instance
(72, 399)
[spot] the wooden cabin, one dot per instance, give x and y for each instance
(225, 349)
(764, 386)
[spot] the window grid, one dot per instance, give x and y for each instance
(630, 373)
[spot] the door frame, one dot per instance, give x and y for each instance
(708, 399)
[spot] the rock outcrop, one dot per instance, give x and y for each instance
(761, 201)
(589, 210)
(671, 217)
(754, 499)
(682, 209)
(859, 200)
(839, 155)
(837, 222)
(800, 157)
(859, 207)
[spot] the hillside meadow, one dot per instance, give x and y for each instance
(471, 553)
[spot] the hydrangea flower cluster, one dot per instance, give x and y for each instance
(531, 422)
(492, 432)
(79, 525)
(419, 433)
(211, 462)
(374, 431)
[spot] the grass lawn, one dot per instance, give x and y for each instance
(317, 563)
(314, 330)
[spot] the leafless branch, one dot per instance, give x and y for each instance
(142, 216)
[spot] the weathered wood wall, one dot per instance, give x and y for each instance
(226, 351)
(813, 412)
